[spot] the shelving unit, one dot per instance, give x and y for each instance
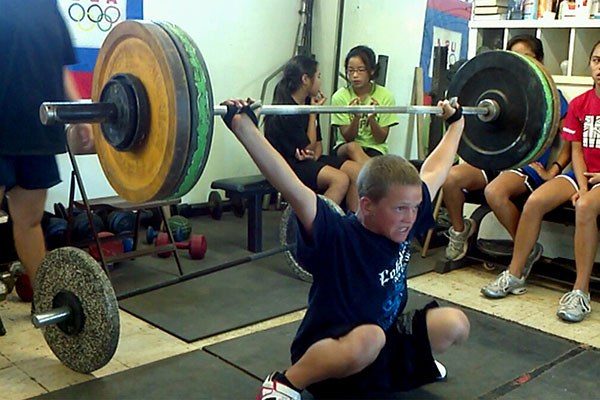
(567, 40)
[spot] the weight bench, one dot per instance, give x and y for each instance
(252, 189)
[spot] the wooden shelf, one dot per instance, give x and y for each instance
(567, 40)
(535, 23)
(573, 80)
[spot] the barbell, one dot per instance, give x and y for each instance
(153, 110)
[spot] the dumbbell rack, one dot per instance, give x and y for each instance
(117, 203)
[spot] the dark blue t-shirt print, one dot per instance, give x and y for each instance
(396, 299)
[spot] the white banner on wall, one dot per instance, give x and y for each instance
(90, 20)
(446, 37)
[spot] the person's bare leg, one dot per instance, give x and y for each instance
(546, 198)
(354, 152)
(334, 183)
(352, 169)
(446, 326)
(587, 209)
(337, 358)
(499, 194)
(26, 209)
(461, 177)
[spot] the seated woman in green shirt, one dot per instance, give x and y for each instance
(361, 137)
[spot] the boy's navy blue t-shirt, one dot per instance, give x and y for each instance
(359, 277)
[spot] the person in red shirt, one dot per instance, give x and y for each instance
(581, 128)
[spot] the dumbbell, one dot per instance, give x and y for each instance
(7, 283)
(215, 205)
(238, 206)
(128, 241)
(82, 229)
(121, 221)
(110, 247)
(16, 277)
(55, 233)
(196, 246)
(180, 228)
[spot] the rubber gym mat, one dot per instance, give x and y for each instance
(575, 378)
(223, 300)
(419, 265)
(497, 352)
(226, 240)
(194, 375)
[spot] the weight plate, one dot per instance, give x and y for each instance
(73, 271)
(287, 235)
(521, 91)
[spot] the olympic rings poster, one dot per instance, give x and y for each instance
(89, 21)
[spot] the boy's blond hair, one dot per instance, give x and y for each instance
(381, 172)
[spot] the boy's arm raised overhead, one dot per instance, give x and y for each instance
(240, 119)
(437, 165)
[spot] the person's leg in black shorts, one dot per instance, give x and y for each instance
(424, 333)
(350, 168)
(322, 178)
(407, 359)
(25, 180)
(353, 151)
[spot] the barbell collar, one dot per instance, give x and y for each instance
(51, 317)
(493, 109)
(52, 113)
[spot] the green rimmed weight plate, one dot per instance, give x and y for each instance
(520, 91)
(552, 118)
(154, 168)
(201, 107)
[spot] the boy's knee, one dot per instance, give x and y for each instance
(447, 326)
(460, 326)
(367, 342)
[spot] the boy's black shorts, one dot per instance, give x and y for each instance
(30, 172)
(405, 363)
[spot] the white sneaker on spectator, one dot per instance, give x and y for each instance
(574, 306)
(458, 243)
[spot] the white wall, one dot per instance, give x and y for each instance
(393, 28)
(242, 42)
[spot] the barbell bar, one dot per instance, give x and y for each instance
(54, 316)
(153, 111)
(52, 113)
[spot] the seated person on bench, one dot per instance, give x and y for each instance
(580, 185)
(355, 339)
(361, 137)
(500, 188)
(298, 137)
